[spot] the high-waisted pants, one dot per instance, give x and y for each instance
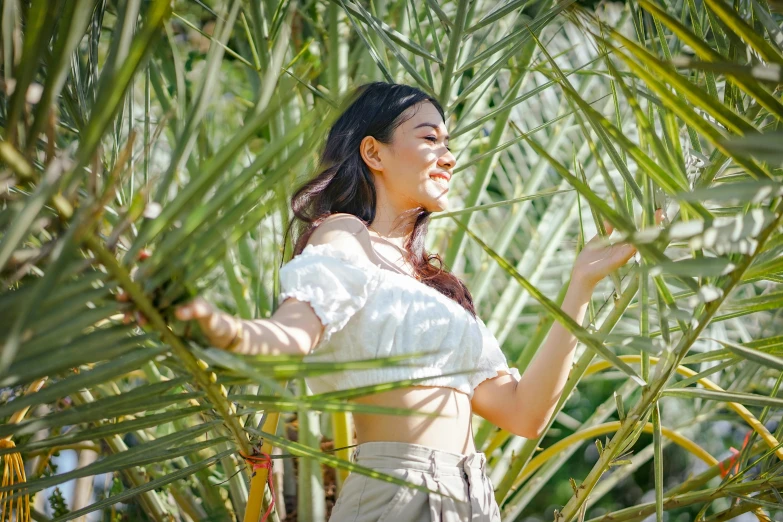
(366, 499)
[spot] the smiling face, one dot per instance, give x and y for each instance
(416, 167)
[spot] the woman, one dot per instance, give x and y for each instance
(362, 286)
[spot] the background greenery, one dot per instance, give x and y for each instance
(153, 145)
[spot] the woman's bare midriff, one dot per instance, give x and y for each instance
(447, 429)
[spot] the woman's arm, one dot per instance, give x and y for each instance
(542, 383)
(293, 329)
(525, 407)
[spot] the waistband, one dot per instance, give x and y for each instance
(396, 455)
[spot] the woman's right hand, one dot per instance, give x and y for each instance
(221, 329)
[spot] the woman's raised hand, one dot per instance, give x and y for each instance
(596, 262)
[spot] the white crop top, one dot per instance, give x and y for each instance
(370, 312)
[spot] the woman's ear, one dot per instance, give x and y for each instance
(369, 148)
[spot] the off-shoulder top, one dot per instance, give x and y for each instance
(371, 312)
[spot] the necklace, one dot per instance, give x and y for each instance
(415, 274)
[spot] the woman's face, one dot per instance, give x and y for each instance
(417, 165)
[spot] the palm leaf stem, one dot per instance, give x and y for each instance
(743, 412)
(664, 371)
(145, 487)
(609, 427)
(686, 499)
(149, 500)
(209, 496)
(521, 497)
(658, 432)
(506, 202)
(237, 487)
(215, 394)
(691, 484)
(637, 460)
(455, 42)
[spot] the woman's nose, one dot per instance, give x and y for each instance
(447, 160)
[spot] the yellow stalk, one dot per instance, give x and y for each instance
(342, 437)
(602, 429)
(13, 467)
(741, 410)
(498, 440)
(258, 480)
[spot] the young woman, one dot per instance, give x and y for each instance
(361, 286)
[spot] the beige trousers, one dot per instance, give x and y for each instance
(366, 499)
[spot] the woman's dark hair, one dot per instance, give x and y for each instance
(345, 184)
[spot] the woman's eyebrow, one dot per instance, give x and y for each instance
(434, 126)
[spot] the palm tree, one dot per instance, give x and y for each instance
(150, 147)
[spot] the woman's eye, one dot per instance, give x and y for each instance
(434, 139)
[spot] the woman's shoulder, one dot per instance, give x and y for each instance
(344, 233)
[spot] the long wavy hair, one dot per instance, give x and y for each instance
(345, 184)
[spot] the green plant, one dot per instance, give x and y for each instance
(152, 147)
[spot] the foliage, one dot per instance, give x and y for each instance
(153, 147)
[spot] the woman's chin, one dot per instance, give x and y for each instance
(439, 205)
(433, 202)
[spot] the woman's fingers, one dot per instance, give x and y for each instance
(660, 216)
(184, 312)
(199, 308)
(628, 251)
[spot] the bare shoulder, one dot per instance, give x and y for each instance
(343, 231)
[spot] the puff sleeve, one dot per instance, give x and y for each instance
(491, 359)
(335, 283)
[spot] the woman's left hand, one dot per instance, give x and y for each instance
(596, 262)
